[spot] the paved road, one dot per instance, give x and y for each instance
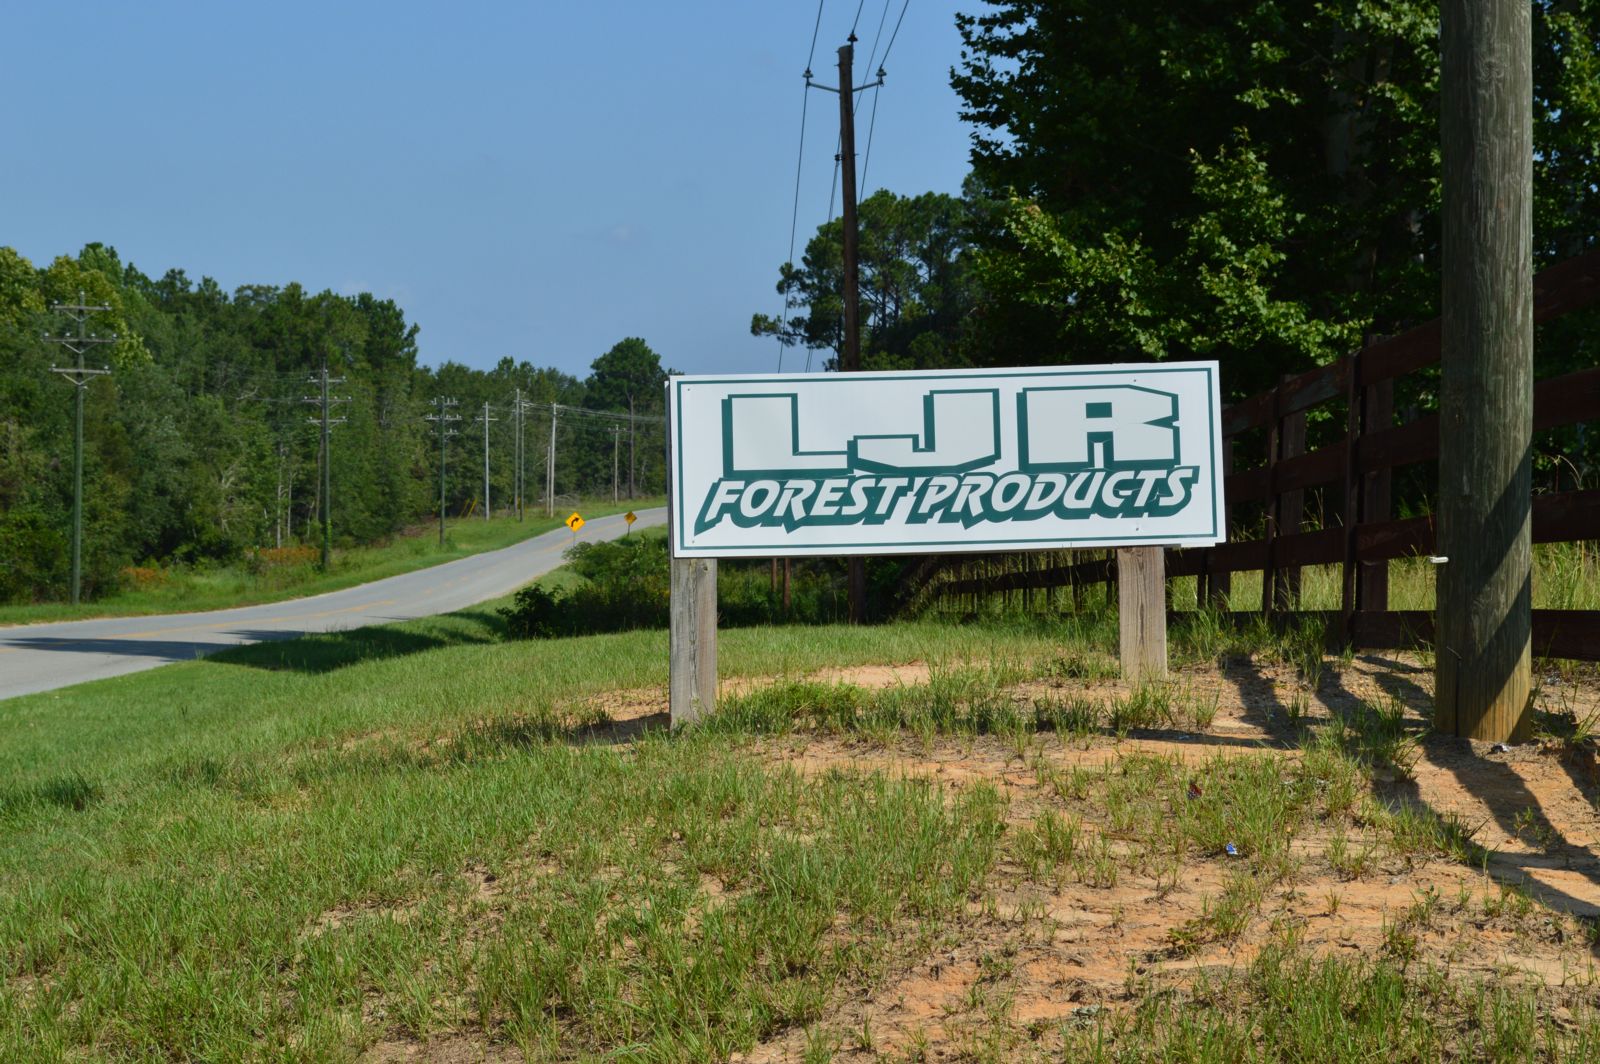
(41, 657)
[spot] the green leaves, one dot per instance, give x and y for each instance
(915, 289)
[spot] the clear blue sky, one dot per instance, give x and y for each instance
(537, 179)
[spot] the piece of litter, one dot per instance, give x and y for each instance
(1194, 790)
(1232, 850)
(1499, 748)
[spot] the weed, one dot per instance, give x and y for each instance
(821, 1045)
(1075, 717)
(1080, 665)
(1146, 706)
(1531, 826)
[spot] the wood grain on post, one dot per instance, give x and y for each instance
(1484, 628)
(692, 686)
(692, 619)
(1142, 612)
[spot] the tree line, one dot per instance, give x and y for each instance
(199, 447)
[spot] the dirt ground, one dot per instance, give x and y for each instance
(1034, 956)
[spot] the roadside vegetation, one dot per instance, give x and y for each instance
(904, 842)
(274, 574)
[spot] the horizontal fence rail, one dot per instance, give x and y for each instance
(1353, 471)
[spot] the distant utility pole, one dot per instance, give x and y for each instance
(516, 453)
(550, 468)
(616, 445)
(1484, 612)
(442, 421)
(485, 418)
(326, 402)
(80, 376)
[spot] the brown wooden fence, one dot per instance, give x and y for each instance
(1353, 475)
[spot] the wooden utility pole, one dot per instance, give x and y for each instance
(326, 402)
(616, 442)
(80, 376)
(442, 421)
(486, 419)
(516, 476)
(550, 468)
(850, 354)
(1485, 619)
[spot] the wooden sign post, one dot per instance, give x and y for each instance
(1142, 613)
(692, 652)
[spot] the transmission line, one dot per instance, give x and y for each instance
(872, 126)
(857, 21)
(885, 57)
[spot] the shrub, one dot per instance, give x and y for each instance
(627, 585)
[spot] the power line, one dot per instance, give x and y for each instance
(876, 37)
(799, 166)
(857, 20)
(885, 57)
(872, 127)
(814, 31)
(794, 217)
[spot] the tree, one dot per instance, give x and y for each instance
(1251, 182)
(628, 377)
(915, 292)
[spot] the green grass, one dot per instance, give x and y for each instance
(1287, 1005)
(421, 832)
(1566, 576)
(181, 590)
(294, 849)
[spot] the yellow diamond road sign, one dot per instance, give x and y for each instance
(630, 517)
(575, 522)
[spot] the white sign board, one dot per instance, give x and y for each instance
(955, 460)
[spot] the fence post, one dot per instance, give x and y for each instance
(1372, 591)
(1269, 565)
(1219, 583)
(1291, 506)
(1349, 513)
(1142, 613)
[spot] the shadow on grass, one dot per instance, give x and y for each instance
(1509, 802)
(322, 652)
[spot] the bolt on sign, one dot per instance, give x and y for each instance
(919, 462)
(574, 522)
